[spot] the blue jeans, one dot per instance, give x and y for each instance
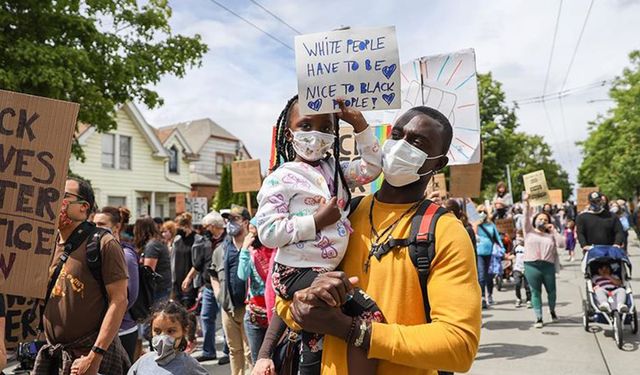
(208, 314)
(484, 277)
(255, 336)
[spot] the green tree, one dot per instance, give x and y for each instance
(503, 145)
(99, 53)
(610, 152)
(224, 195)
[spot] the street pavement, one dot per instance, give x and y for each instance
(509, 344)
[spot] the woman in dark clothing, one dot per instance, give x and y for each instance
(154, 253)
(181, 260)
(453, 206)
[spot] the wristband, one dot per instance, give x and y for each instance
(363, 331)
(98, 350)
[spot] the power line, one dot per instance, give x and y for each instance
(276, 17)
(553, 46)
(575, 50)
(561, 94)
(252, 24)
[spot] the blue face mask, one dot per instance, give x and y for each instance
(233, 228)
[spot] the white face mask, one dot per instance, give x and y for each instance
(401, 162)
(164, 346)
(312, 145)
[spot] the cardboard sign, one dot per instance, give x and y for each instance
(437, 183)
(35, 143)
(583, 197)
(246, 176)
(360, 65)
(197, 207)
(448, 83)
(18, 327)
(506, 226)
(466, 180)
(535, 184)
(556, 197)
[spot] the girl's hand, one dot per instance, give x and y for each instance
(263, 366)
(551, 228)
(327, 214)
(248, 240)
(352, 116)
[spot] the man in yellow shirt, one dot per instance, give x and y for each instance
(406, 343)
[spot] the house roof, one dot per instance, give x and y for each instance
(197, 132)
(165, 135)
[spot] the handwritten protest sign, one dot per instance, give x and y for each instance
(35, 143)
(506, 226)
(556, 197)
(448, 83)
(360, 65)
(18, 327)
(246, 176)
(466, 180)
(437, 183)
(535, 184)
(583, 196)
(197, 207)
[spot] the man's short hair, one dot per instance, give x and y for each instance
(447, 129)
(86, 192)
(213, 218)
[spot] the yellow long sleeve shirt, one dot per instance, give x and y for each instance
(406, 344)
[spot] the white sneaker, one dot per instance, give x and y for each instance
(529, 305)
(490, 300)
(518, 303)
(623, 309)
(569, 258)
(604, 307)
(538, 324)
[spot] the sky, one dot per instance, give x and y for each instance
(247, 77)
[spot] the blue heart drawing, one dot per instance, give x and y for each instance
(388, 70)
(315, 105)
(388, 97)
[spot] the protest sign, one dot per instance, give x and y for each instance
(437, 183)
(360, 65)
(556, 197)
(18, 325)
(465, 180)
(197, 207)
(35, 142)
(535, 184)
(506, 226)
(246, 176)
(447, 83)
(472, 213)
(583, 197)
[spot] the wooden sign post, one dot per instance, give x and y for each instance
(245, 178)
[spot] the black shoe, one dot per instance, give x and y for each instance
(554, 317)
(204, 358)
(223, 360)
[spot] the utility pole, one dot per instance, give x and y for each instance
(509, 180)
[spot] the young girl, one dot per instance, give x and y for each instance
(570, 238)
(304, 202)
(170, 327)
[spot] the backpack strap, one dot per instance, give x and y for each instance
(94, 260)
(353, 204)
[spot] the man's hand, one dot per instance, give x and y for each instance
(86, 365)
(616, 245)
(330, 289)
(352, 116)
(186, 283)
(263, 366)
(327, 214)
(318, 317)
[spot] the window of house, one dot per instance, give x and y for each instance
(221, 161)
(125, 152)
(173, 160)
(116, 201)
(108, 150)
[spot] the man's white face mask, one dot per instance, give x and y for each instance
(401, 162)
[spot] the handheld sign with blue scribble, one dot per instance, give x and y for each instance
(360, 65)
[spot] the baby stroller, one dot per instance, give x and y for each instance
(621, 267)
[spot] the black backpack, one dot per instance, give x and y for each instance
(421, 243)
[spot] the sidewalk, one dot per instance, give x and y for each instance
(509, 344)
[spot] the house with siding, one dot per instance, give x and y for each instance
(136, 166)
(215, 147)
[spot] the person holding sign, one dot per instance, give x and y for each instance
(304, 203)
(541, 259)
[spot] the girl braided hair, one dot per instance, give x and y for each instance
(286, 153)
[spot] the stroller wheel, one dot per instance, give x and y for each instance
(617, 328)
(585, 315)
(634, 322)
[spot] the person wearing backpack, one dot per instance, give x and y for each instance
(487, 236)
(430, 302)
(82, 314)
(115, 220)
